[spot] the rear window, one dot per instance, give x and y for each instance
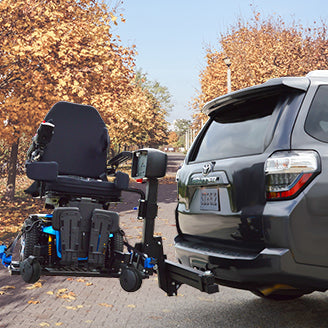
(240, 129)
(316, 124)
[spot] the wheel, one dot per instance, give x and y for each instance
(282, 294)
(130, 279)
(112, 261)
(29, 238)
(30, 270)
(118, 242)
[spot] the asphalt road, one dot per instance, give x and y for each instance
(100, 302)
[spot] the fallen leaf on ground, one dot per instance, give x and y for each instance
(106, 305)
(89, 284)
(71, 307)
(44, 324)
(36, 285)
(68, 296)
(50, 292)
(58, 323)
(62, 290)
(33, 301)
(63, 293)
(81, 280)
(7, 287)
(74, 307)
(131, 306)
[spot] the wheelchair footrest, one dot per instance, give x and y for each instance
(77, 272)
(103, 223)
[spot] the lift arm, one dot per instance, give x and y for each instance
(170, 275)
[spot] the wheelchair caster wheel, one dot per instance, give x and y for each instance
(130, 279)
(30, 270)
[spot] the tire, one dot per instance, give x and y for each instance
(130, 279)
(29, 238)
(30, 270)
(281, 294)
(117, 242)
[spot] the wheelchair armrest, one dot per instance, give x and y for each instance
(42, 171)
(114, 162)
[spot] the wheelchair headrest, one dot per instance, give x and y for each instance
(80, 140)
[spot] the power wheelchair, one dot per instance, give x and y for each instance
(81, 237)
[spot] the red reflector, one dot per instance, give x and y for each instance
(291, 192)
(139, 180)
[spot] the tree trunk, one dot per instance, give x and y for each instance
(11, 181)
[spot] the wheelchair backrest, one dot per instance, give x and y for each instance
(80, 141)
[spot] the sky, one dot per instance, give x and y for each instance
(171, 36)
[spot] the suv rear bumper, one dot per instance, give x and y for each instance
(251, 269)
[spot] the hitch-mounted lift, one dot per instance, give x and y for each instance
(151, 164)
(82, 238)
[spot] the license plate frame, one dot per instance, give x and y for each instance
(209, 199)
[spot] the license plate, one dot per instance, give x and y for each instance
(209, 200)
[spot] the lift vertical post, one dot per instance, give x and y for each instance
(151, 164)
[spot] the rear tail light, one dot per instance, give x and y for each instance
(289, 172)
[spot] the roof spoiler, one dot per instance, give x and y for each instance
(299, 83)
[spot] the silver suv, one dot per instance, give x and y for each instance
(253, 190)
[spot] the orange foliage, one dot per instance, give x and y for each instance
(259, 50)
(65, 50)
(172, 138)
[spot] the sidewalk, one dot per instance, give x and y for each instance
(100, 302)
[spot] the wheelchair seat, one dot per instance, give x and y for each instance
(80, 187)
(78, 153)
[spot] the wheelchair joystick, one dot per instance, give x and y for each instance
(41, 140)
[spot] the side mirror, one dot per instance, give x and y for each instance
(148, 163)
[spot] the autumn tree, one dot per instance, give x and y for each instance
(160, 104)
(159, 92)
(142, 115)
(261, 49)
(172, 138)
(181, 127)
(57, 50)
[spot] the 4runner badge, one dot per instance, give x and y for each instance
(207, 168)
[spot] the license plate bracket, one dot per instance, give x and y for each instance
(209, 199)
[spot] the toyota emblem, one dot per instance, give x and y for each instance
(207, 168)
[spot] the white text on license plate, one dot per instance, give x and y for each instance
(209, 200)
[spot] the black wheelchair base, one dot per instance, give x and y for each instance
(141, 261)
